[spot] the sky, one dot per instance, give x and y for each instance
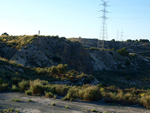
(76, 18)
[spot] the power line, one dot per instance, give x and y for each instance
(103, 32)
(130, 12)
(121, 35)
(117, 35)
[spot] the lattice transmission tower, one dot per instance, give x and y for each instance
(103, 31)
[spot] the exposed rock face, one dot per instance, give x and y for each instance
(141, 48)
(7, 51)
(47, 51)
(107, 60)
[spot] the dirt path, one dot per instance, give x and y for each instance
(44, 105)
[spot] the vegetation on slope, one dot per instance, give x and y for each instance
(12, 73)
(123, 52)
(86, 92)
(19, 41)
(35, 82)
(38, 81)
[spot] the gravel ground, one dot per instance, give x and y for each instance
(44, 105)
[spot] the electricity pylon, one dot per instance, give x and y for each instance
(103, 31)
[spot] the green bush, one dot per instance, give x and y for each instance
(53, 70)
(37, 87)
(145, 101)
(29, 100)
(55, 96)
(121, 97)
(16, 100)
(53, 104)
(23, 85)
(28, 92)
(90, 93)
(93, 110)
(72, 93)
(130, 98)
(67, 106)
(123, 52)
(94, 48)
(15, 88)
(50, 88)
(61, 89)
(62, 69)
(49, 94)
(4, 87)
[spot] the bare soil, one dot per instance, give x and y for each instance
(44, 105)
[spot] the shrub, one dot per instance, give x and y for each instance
(90, 93)
(123, 52)
(9, 110)
(93, 48)
(50, 88)
(53, 104)
(16, 100)
(53, 70)
(29, 100)
(17, 110)
(93, 110)
(28, 92)
(49, 94)
(15, 88)
(37, 87)
(145, 101)
(62, 69)
(104, 112)
(55, 96)
(23, 85)
(61, 89)
(130, 98)
(15, 80)
(67, 106)
(4, 87)
(119, 96)
(72, 93)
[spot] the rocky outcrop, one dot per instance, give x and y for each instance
(7, 51)
(107, 60)
(45, 51)
(138, 47)
(48, 51)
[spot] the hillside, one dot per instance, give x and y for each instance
(46, 51)
(141, 47)
(40, 52)
(34, 51)
(55, 68)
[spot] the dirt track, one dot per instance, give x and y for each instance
(43, 105)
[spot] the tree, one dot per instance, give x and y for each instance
(113, 40)
(5, 34)
(144, 40)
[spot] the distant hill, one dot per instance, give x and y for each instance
(141, 47)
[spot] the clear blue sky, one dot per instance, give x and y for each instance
(74, 18)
